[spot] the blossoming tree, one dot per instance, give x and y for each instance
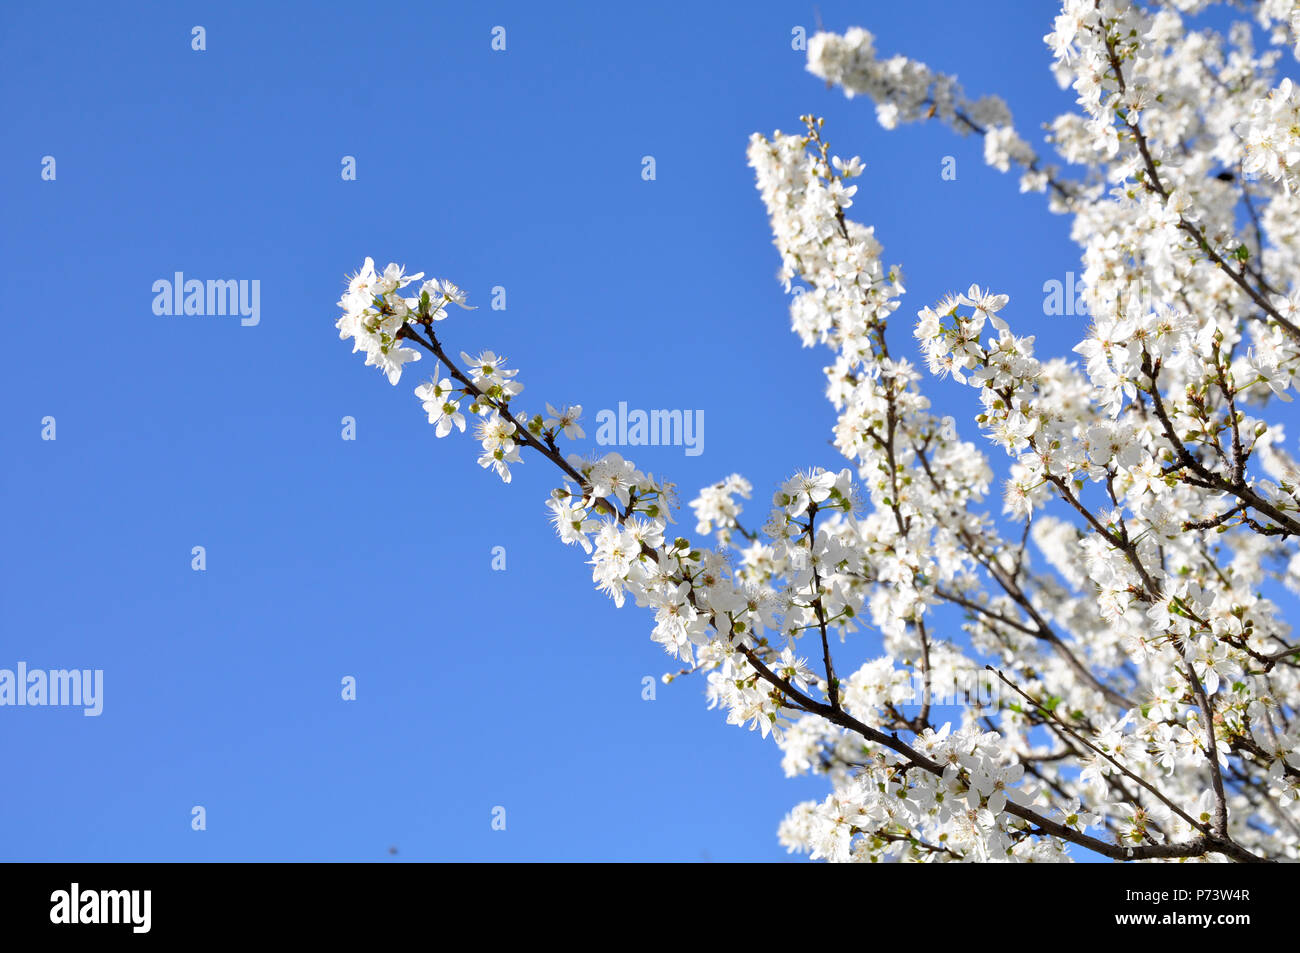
(1142, 689)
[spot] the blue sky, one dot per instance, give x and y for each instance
(371, 558)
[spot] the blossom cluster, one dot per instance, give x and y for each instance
(907, 90)
(1177, 493)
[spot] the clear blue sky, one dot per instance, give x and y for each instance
(371, 558)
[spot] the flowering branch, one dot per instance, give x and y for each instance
(1150, 500)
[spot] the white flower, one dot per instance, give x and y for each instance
(443, 410)
(389, 358)
(566, 420)
(393, 278)
(441, 292)
(488, 373)
(986, 305)
(803, 489)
